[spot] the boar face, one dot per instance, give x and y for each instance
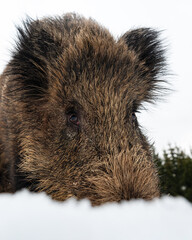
(69, 98)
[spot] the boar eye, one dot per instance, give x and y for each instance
(73, 118)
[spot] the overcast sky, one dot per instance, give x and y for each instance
(169, 121)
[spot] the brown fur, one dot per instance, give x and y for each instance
(66, 69)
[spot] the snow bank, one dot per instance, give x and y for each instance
(27, 216)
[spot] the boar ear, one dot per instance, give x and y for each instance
(151, 66)
(29, 65)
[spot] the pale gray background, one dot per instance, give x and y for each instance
(169, 121)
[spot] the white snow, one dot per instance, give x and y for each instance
(31, 216)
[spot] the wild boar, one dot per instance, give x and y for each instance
(68, 103)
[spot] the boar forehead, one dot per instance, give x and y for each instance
(106, 72)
